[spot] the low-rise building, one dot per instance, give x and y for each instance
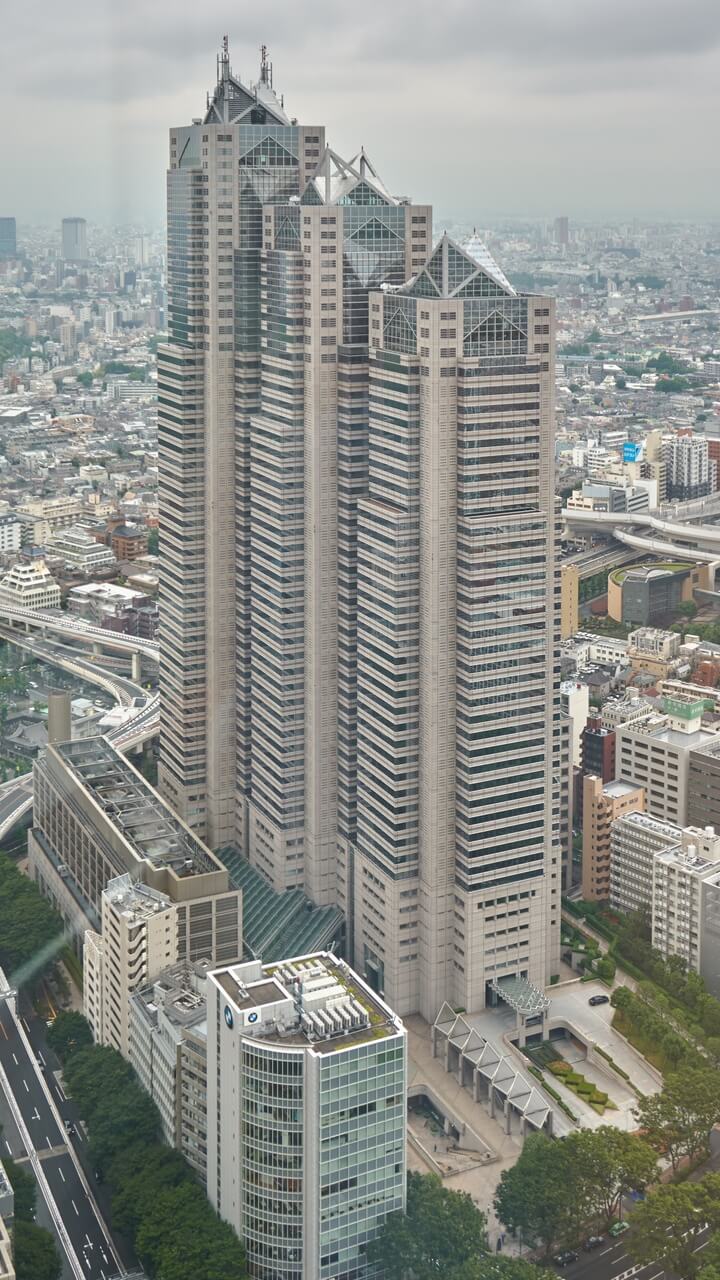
(29, 585)
(653, 650)
(686, 903)
(603, 804)
(575, 702)
(80, 551)
(635, 838)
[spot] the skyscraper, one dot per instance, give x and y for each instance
(74, 240)
(373, 422)
(455, 863)
(8, 238)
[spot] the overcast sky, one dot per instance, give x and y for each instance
(594, 108)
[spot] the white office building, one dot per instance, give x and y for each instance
(635, 839)
(306, 1080)
(686, 903)
(29, 585)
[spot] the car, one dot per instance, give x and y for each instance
(617, 1229)
(599, 1000)
(593, 1242)
(565, 1258)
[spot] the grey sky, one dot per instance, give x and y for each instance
(596, 108)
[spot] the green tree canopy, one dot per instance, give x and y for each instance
(30, 931)
(666, 1226)
(68, 1034)
(441, 1230)
(679, 1118)
(536, 1196)
(36, 1255)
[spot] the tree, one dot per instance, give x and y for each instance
(441, 1230)
(24, 1190)
(36, 1256)
(665, 1227)
(606, 1164)
(686, 609)
(152, 542)
(536, 1196)
(30, 931)
(679, 1119)
(69, 1033)
(494, 1267)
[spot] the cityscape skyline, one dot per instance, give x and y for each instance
(576, 103)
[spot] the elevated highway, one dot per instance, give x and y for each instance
(143, 709)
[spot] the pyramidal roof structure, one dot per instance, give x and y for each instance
(233, 101)
(338, 181)
(453, 271)
(478, 250)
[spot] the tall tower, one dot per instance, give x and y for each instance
(243, 154)
(456, 863)
(322, 254)
(74, 240)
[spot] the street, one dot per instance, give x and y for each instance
(31, 1103)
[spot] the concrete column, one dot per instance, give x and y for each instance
(136, 667)
(59, 719)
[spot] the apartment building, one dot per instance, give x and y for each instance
(168, 1050)
(635, 839)
(686, 903)
(137, 940)
(307, 1179)
(603, 804)
(96, 818)
(654, 752)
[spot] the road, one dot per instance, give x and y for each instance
(612, 1262)
(33, 1113)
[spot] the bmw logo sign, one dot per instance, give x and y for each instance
(252, 1017)
(228, 1016)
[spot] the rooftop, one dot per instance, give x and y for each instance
(315, 1002)
(134, 808)
(617, 789)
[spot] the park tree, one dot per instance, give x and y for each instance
(607, 1164)
(536, 1197)
(440, 1231)
(24, 1190)
(69, 1033)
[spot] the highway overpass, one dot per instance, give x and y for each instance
(55, 622)
(143, 709)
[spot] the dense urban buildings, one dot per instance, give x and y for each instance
(351, 438)
(8, 238)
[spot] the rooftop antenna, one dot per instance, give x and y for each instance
(224, 60)
(266, 77)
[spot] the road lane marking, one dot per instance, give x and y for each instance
(2, 1028)
(7, 1144)
(17, 1064)
(75, 1208)
(25, 1025)
(62, 1175)
(27, 1090)
(46, 1138)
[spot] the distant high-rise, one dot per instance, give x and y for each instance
(561, 231)
(363, 467)
(8, 238)
(74, 240)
